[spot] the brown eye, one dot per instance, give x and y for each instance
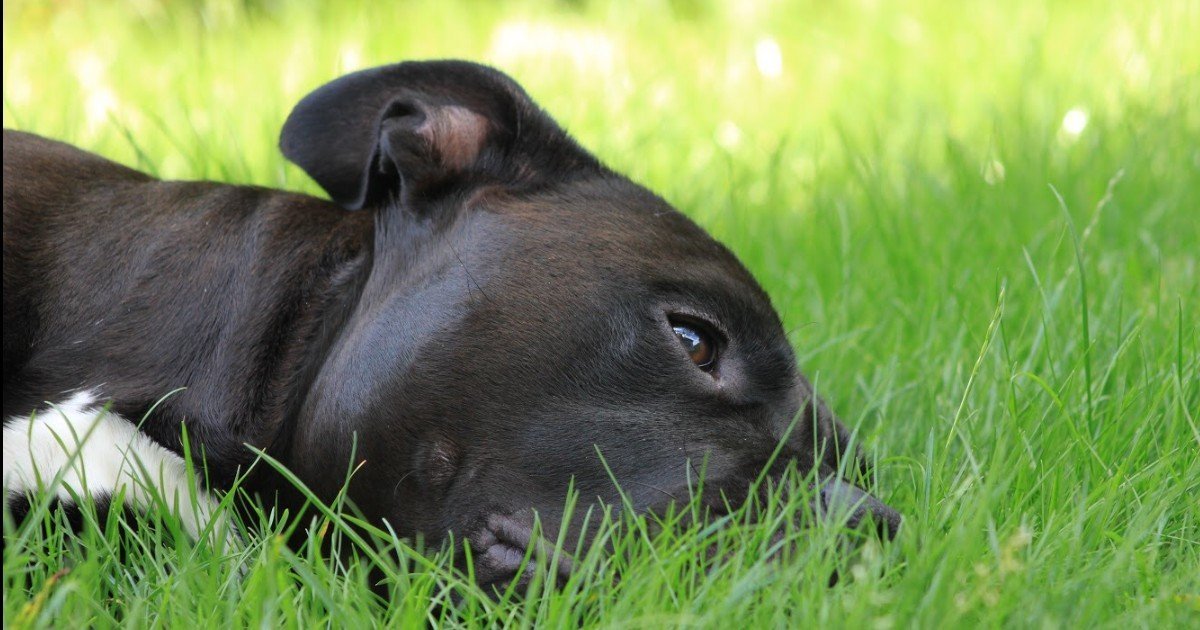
(698, 345)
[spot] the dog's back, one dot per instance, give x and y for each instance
(44, 183)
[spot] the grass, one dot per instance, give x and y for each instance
(980, 222)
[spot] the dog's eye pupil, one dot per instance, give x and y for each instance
(699, 347)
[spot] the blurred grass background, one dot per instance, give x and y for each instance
(1024, 367)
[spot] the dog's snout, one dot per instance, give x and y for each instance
(847, 503)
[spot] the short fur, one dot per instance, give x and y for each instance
(498, 314)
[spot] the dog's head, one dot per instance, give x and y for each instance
(531, 320)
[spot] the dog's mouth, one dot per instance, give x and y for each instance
(507, 550)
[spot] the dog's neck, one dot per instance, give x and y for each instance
(331, 293)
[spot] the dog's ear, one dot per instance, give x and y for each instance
(410, 130)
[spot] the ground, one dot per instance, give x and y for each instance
(980, 222)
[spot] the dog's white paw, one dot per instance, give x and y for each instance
(80, 448)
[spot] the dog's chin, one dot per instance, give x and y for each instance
(506, 552)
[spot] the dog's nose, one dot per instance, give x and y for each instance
(849, 504)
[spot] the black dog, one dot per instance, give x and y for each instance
(504, 315)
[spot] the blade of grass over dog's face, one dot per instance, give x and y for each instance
(882, 169)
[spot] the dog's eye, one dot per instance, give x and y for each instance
(699, 345)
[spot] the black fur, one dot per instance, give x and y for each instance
(499, 314)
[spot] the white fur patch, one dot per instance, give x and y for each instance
(79, 446)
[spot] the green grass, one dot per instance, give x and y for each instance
(980, 222)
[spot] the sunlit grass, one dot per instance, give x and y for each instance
(892, 173)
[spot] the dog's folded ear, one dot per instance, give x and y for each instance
(409, 130)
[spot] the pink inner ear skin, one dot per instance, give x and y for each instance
(457, 134)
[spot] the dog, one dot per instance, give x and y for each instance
(483, 315)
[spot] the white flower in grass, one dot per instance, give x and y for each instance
(993, 172)
(99, 100)
(729, 135)
(98, 106)
(1075, 121)
(349, 58)
(769, 58)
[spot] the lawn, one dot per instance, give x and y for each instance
(979, 221)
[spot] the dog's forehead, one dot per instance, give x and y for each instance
(610, 230)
